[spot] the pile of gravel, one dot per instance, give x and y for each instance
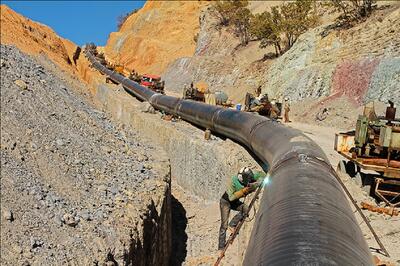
(67, 173)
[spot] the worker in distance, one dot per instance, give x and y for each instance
(239, 186)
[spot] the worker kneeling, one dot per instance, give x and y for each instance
(240, 185)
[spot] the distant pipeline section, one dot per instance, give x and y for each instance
(304, 217)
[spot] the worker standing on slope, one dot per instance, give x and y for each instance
(240, 185)
(287, 110)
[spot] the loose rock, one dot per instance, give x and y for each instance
(8, 215)
(21, 84)
(56, 151)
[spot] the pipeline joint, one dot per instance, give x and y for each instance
(302, 158)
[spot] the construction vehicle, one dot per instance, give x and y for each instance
(374, 145)
(193, 93)
(114, 67)
(217, 98)
(201, 93)
(92, 48)
(119, 69)
(152, 82)
(102, 60)
(263, 106)
(99, 55)
(135, 76)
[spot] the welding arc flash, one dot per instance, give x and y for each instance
(266, 181)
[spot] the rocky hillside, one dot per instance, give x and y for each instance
(219, 61)
(75, 188)
(42, 42)
(35, 38)
(154, 36)
(361, 63)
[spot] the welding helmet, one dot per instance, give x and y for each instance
(245, 176)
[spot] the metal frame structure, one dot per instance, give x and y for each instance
(389, 170)
(304, 216)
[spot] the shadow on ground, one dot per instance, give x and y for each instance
(179, 236)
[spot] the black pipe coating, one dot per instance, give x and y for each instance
(304, 217)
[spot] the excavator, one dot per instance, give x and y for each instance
(101, 58)
(193, 93)
(115, 67)
(153, 82)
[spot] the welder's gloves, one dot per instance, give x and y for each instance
(243, 192)
(253, 186)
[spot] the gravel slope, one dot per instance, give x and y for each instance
(72, 185)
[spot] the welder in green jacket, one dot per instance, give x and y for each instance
(240, 185)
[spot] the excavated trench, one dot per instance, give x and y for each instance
(199, 170)
(302, 185)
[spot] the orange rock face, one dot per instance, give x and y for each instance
(34, 38)
(156, 35)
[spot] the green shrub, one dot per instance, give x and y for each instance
(352, 10)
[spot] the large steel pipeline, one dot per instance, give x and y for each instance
(304, 217)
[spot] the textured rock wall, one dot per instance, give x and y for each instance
(155, 35)
(351, 78)
(151, 244)
(35, 38)
(361, 63)
(78, 189)
(199, 166)
(385, 81)
(215, 62)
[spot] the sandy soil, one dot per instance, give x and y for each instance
(340, 113)
(195, 231)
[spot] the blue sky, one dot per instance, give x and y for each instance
(78, 21)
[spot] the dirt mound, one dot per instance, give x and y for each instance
(156, 35)
(35, 38)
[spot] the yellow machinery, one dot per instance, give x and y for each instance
(374, 145)
(119, 69)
